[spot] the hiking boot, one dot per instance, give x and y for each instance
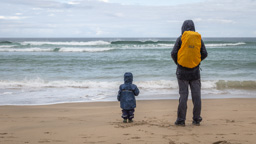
(180, 123)
(130, 121)
(196, 123)
(125, 121)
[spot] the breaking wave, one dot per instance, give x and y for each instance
(141, 42)
(55, 49)
(221, 84)
(5, 42)
(224, 44)
(83, 49)
(160, 84)
(103, 43)
(100, 43)
(74, 43)
(6, 46)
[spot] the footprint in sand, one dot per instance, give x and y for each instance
(171, 142)
(221, 134)
(249, 134)
(86, 137)
(49, 141)
(208, 134)
(230, 121)
(126, 134)
(44, 141)
(169, 139)
(135, 137)
(2, 135)
(126, 125)
(221, 142)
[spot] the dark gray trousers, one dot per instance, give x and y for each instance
(195, 87)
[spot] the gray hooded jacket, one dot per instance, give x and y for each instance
(182, 72)
(127, 92)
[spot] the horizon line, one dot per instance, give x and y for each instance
(117, 37)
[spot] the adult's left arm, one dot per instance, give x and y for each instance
(204, 53)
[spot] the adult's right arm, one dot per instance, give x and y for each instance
(175, 49)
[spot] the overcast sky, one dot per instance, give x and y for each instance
(126, 18)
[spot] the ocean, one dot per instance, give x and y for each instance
(38, 71)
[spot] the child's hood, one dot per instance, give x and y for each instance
(188, 25)
(128, 78)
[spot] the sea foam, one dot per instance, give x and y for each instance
(74, 43)
(224, 44)
(39, 91)
(6, 46)
(66, 49)
(158, 84)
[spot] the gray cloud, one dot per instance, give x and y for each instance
(93, 18)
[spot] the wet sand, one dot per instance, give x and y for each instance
(225, 121)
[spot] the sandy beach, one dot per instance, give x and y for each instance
(225, 121)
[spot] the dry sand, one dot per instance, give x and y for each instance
(225, 121)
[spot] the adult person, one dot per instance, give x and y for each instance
(188, 51)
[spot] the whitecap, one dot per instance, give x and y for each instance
(73, 43)
(84, 49)
(224, 44)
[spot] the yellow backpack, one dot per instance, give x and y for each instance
(189, 55)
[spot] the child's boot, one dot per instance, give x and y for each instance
(125, 121)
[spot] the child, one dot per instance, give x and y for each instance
(126, 96)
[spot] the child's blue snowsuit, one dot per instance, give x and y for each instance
(126, 96)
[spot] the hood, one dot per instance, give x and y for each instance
(128, 78)
(188, 25)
